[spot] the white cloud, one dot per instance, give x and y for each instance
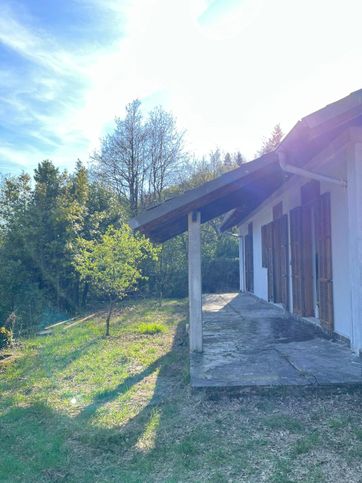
(36, 45)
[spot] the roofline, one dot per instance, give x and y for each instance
(308, 127)
(309, 133)
(351, 135)
(188, 197)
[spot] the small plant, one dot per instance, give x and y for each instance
(6, 337)
(151, 328)
(113, 264)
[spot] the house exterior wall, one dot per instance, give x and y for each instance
(354, 177)
(340, 260)
(291, 198)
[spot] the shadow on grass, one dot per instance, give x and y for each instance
(38, 443)
(34, 365)
(62, 361)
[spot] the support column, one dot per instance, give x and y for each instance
(195, 302)
(354, 191)
(241, 262)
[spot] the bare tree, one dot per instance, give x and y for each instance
(164, 151)
(141, 157)
(121, 161)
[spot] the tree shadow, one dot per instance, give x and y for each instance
(172, 373)
(59, 362)
(38, 440)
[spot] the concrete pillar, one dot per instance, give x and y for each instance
(354, 193)
(241, 262)
(195, 294)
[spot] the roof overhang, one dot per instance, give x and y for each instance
(242, 190)
(212, 199)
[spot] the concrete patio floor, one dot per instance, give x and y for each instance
(248, 342)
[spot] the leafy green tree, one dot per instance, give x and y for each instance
(113, 263)
(19, 287)
(39, 227)
(47, 245)
(41, 220)
(239, 159)
(168, 277)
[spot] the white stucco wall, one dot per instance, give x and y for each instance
(340, 259)
(260, 273)
(354, 191)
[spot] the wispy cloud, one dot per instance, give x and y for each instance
(35, 44)
(41, 89)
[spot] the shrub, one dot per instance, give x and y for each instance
(151, 328)
(5, 337)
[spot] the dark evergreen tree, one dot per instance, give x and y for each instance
(272, 142)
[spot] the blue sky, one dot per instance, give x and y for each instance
(229, 70)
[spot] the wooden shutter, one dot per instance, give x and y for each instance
(264, 247)
(270, 260)
(296, 258)
(307, 262)
(325, 277)
(276, 261)
(284, 260)
(249, 259)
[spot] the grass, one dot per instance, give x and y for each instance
(76, 406)
(151, 328)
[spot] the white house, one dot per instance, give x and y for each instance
(299, 213)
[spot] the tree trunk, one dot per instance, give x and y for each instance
(76, 293)
(85, 294)
(110, 308)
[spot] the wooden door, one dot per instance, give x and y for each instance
(284, 260)
(296, 259)
(275, 256)
(276, 261)
(325, 275)
(269, 252)
(307, 262)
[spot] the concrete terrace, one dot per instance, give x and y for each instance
(248, 342)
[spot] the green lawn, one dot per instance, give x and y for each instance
(75, 406)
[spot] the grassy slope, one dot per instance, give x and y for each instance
(78, 407)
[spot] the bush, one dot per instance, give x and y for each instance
(220, 275)
(151, 328)
(6, 337)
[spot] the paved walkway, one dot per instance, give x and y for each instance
(248, 342)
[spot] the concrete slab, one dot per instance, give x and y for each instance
(248, 343)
